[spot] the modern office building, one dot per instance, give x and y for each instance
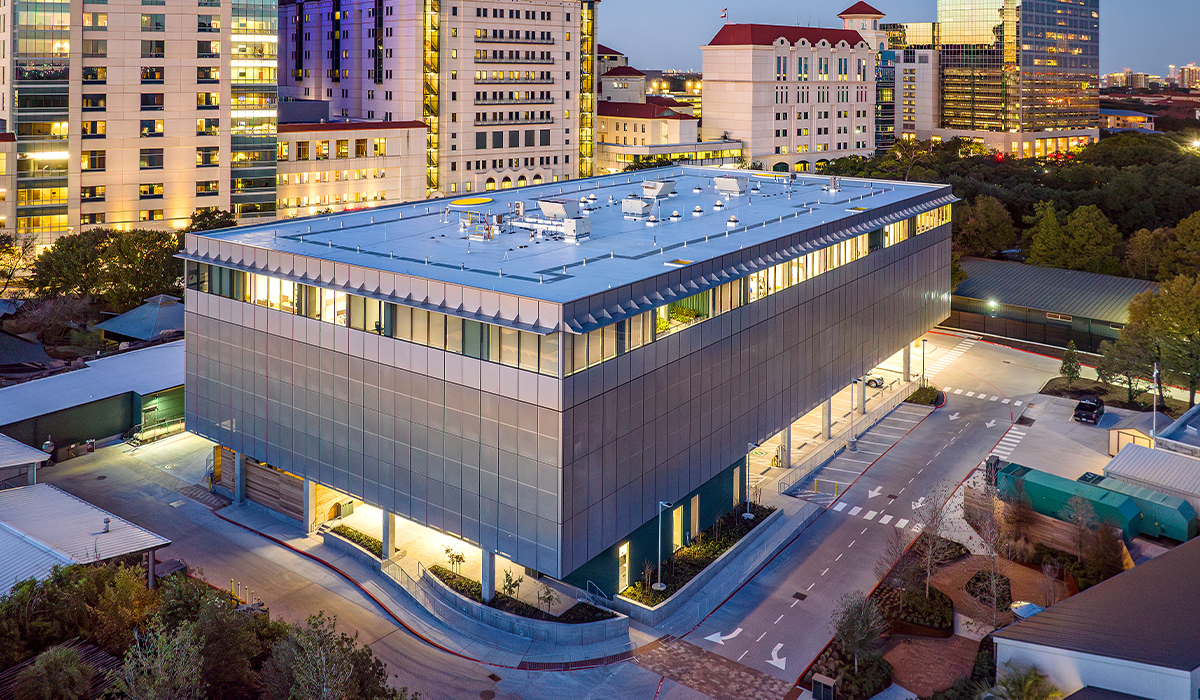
(490, 367)
(1020, 79)
(507, 90)
(1189, 77)
(796, 97)
(133, 114)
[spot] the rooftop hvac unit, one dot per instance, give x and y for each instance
(633, 206)
(730, 185)
(577, 229)
(657, 189)
(559, 208)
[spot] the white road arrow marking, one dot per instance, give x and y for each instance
(919, 503)
(954, 416)
(720, 639)
(990, 423)
(775, 661)
(875, 492)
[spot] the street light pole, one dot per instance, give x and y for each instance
(658, 584)
(851, 444)
(749, 448)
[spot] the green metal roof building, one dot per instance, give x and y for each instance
(1162, 515)
(1048, 494)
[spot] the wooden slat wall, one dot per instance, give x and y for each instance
(276, 489)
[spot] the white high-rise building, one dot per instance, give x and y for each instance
(133, 114)
(796, 97)
(506, 88)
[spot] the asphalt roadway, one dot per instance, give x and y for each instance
(780, 620)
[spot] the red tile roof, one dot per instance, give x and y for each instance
(348, 126)
(862, 8)
(605, 51)
(623, 70)
(766, 34)
(638, 110)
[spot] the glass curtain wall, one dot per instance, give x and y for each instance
(42, 93)
(253, 90)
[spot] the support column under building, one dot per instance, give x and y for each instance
(310, 505)
(32, 473)
(787, 446)
(239, 478)
(827, 418)
(907, 362)
(489, 576)
(389, 534)
(862, 396)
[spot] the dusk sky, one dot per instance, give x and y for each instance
(1144, 36)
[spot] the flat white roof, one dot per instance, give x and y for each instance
(144, 371)
(17, 454)
(430, 239)
(42, 526)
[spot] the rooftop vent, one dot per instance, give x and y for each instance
(635, 206)
(657, 189)
(730, 185)
(559, 208)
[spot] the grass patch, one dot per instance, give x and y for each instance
(577, 614)
(361, 539)
(688, 562)
(979, 587)
(1114, 396)
(925, 396)
(873, 677)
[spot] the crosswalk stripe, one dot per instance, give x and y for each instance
(855, 510)
(885, 520)
(1004, 401)
(1016, 403)
(840, 507)
(870, 515)
(958, 391)
(993, 398)
(969, 393)
(901, 524)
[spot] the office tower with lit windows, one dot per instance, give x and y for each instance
(506, 89)
(1020, 78)
(134, 114)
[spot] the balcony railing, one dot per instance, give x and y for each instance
(514, 81)
(512, 122)
(512, 40)
(519, 101)
(514, 59)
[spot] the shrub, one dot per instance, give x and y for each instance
(361, 539)
(57, 674)
(936, 611)
(925, 396)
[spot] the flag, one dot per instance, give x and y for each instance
(724, 13)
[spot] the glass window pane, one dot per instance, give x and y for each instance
(357, 309)
(437, 330)
(454, 334)
(595, 348)
(529, 351)
(474, 340)
(403, 323)
(339, 308)
(493, 343)
(287, 296)
(610, 341)
(549, 352)
(372, 320)
(509, 350)
(420, 326)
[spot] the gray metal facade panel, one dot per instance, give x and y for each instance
(1084, 294)
(707, 391)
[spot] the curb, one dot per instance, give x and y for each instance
(551, 666)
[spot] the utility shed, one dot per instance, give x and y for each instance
(1048, 494)
(1134, 633)
(1169, 472)
(1162, 515)
(42, 527)
(1042, 304)
(1137, 430)
(17, 458)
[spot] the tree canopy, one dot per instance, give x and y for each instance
(121, 267)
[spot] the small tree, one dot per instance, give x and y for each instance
(455, 558)
(56, 674)
(934, 549)
(858, 624)
(162, 664)
(1024, 683)
(1124, 361)
(16, 253)
(1070, 364)
(548, 596)
(1051, 571)
(512, 584)
(209, 219)
(1080, 513)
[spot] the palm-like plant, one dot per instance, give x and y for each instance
(1024, 683)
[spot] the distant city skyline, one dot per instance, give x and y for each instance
(667, 34)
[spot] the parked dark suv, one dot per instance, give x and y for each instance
(1089, 409)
